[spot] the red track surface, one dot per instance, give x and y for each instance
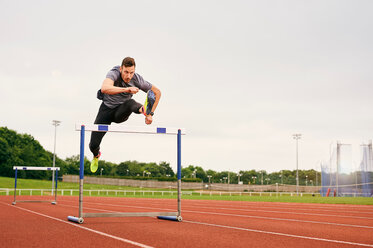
(205, 224)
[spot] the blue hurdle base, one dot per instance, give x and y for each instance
(173, 218)
(75, 219)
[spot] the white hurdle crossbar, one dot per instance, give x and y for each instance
(16, 168)
(175, 216)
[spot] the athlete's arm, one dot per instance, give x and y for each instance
(157, 92)
(109, 88)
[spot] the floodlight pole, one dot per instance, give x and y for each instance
(338, 165)
(55, 124)
(297, 137)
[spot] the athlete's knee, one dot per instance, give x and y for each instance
(134, 106)
(121, 119)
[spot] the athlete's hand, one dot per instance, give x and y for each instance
(148, 119)
(132, 90)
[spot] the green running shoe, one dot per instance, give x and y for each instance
(94, 163)
(149, 102)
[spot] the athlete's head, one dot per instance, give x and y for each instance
(127, 70)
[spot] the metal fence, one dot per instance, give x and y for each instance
(98, 192)
(192, 186)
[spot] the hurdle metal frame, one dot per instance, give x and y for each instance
(174, 216)
(55, 169)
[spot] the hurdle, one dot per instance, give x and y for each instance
(16, 168)
(174, 216)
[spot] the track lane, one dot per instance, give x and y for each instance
(267, 224)
(197, 230)
(22, 227)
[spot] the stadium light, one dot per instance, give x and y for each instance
(297, 137)
(239, 177)
(253, 177)
(209, 176)
(225, 179)
(261, 172)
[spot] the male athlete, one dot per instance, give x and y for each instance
(117, 104)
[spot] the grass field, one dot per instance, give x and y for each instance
(110, 190)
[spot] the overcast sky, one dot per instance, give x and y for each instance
(241, 76)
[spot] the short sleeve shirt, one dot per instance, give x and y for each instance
(138, 81)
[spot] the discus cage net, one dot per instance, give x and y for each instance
(340, 176)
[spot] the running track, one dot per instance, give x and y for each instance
(205, 224)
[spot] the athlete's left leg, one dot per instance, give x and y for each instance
(105, 115)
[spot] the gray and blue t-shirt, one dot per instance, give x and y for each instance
(138, 81)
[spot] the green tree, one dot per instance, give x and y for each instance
(166, 169)
(22, 150)
(123, 168)
(72, 165)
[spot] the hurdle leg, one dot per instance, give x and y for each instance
(179, 174)
(80, 219)
(15, 187)
(55, 188)
(178, 217)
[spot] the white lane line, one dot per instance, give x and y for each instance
(84, 228)
(295, 204)
(289, 205)
(281, 219)
(279, 234)
(234, 215)
(326, 205)
(298, 209)
(281, 212)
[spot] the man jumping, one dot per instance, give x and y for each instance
(117, 104)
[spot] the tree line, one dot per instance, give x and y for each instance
(23, 150)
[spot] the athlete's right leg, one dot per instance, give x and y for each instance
(105, 115)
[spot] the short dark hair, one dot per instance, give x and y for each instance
(128, 62)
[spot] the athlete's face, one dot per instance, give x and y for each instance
(127, 73)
